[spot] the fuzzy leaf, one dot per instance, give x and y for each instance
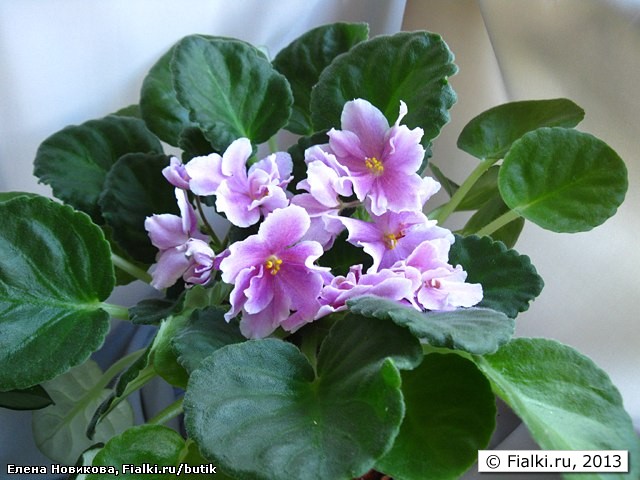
(509, 280)
(563, 180)
(491, 134)
(450, 416)
(59, 430)
(335, 423)
(134, 189)
(566, 401)
(75, 161)
(230, 90)
(473, 330)
(55, 270)
(303, 60)
(410, 66)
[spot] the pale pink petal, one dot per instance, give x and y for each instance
(205, 173)
(236, 205)
(260, 291)
(165, 230)
(176, 174)
(263, 323)
(170, 266)
(284, 227)
(251, 252)
(237, 298)
(403, 149)
(234, 159)
(368, 123)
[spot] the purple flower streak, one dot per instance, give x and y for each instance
(382, 161)
(183, 250)
(244, 196)
(275, 281)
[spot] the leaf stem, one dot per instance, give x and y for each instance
(117, 367)
(273, 144)
(102, 383)
(115, 311)
(130, 268)
(210, 230)
(145, 376)
(167, 413)
(444, 211)
(498, 223)
(309, 347)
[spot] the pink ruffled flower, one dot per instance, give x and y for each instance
(183, 250)
(243, 196)
(382, 161)
(441, 285)
(275, 281)
(326, 182)
(176, 174)
(385, 284)
(392, 237)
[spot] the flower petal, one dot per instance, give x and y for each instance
(234, 159)
(165, 230)
(284, 227)
(205, 174)
(368, 123)
(170, 266)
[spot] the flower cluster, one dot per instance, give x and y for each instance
(366, 165)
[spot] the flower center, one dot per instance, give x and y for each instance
(434, 283)
(391, 239)
(374, 165)
(273, 264)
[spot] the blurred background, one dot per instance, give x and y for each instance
(64, 62)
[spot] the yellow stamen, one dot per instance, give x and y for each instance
(391, 239)
(273, 264)
(375, 165)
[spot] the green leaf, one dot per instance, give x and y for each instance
(32, 398)
(159, 106)
(163, 357)
(59, 430)
(137, 446)
(410, 66)
(194, 144)
(129, 111)
(491, 134)
(6, 196)
(563, 180)
(494, 208)
(484, 190)
(566, 401)
(75, 160)
(153, 310)
(303, 60)
(509, 280)
(450, 416)
(473, 330)
(139, 371)
(55, 270)
(134, 189)
(334, 424)
(448, 185)
(204, 333)
(122, 277)
(230, 89)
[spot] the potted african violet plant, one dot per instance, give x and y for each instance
(316, 322)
